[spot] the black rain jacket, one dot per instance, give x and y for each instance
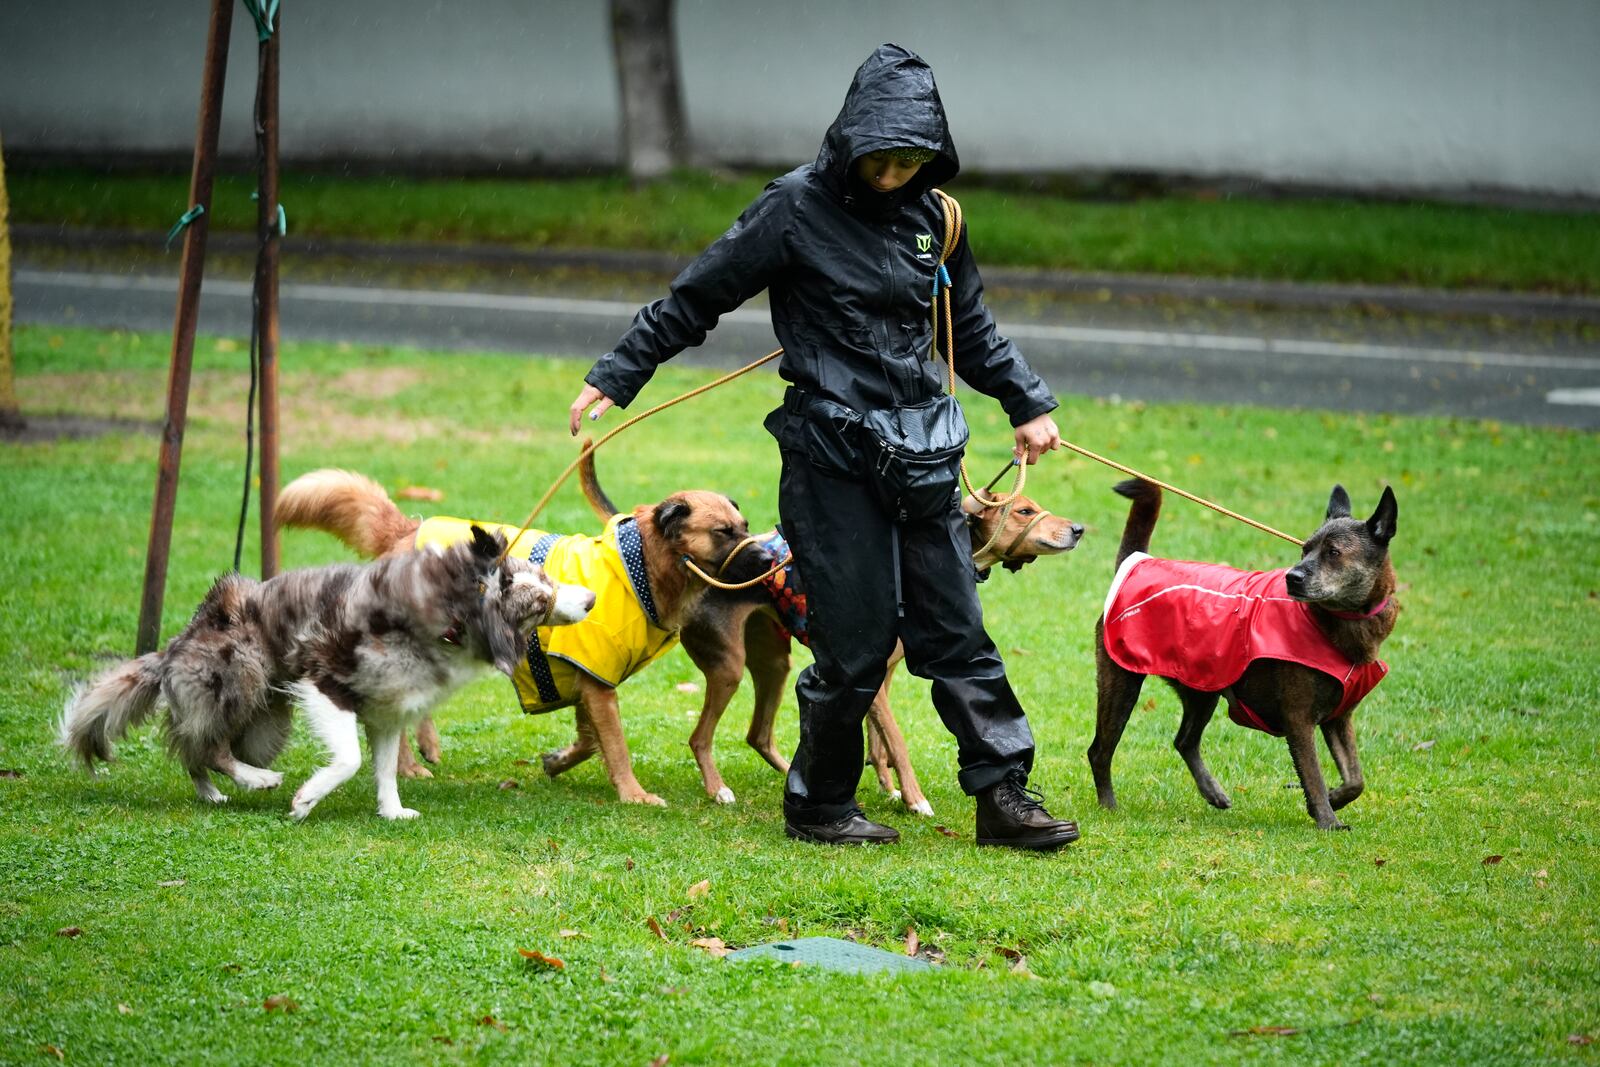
(850, 271)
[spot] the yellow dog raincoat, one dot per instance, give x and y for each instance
(621, 635)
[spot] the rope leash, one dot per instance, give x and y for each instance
(591, 449)
(943, 288)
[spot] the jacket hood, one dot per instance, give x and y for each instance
(892, 102)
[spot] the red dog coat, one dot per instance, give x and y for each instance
(1203, 624)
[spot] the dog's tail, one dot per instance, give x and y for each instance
(592, 492)
(1141, 517)
(351, 506)
(107, 708)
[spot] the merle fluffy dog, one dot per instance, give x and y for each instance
(377, 644)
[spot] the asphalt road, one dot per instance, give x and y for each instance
(1480, 375)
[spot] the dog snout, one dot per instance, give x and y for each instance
(573, 603)
(1077, 531)
(1295, 580)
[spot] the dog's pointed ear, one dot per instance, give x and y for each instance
(485, 544)
(1382, 524)
(1338, 504)
(670, 515)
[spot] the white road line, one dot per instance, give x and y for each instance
(1585, 397)
(616, 309)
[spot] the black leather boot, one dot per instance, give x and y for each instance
(1012, 815)
(853, 829)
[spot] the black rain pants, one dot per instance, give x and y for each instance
(843, 538)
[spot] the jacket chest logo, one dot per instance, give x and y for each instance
(924, 242)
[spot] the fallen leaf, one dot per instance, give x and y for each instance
(571, 933)
(1541, 873)
(677, 913)
(1266, 1031)
(280, 1002)
(1378, 861)
(946, 831)
(628, 866)
(8, 772)
(69, 931)
(420, 492)
(1422, 746)
(655, 927)
(51, 1050)
(533, 956)
(232, 968)
(855, 933)
(552, 844)
(700, 889)
(173, 883)
(913, 942)
(687, 687)
(522, 763)
(674, 990)
(1490, 861)
(606, 978)
(490, 1020)
(1019, 966)
(1020, 651)
(443, 1039)
(123, 1009)
(510, 783)
(1009, 953)
(661, 1060)
(1376, 998)
(714, 946)
(1580, 1039)
(783, 926)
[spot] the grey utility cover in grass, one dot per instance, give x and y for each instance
(832, 954)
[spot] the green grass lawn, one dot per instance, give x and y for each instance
(1328, 240)
(1166, 935)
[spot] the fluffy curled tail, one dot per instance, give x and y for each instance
(1141, 517)
(111, 705)
(351, 506)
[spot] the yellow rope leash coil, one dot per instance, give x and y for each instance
(942, 298)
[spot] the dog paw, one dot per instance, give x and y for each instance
(298, 811)
(259, 780)
(400, 813)
(722, 796)
(416, 770)
(894, 794)
(215, 797)
(921, 807)
(642, 797)
(429, 752)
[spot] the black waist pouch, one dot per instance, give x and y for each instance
(913, 456)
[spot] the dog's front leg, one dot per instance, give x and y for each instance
(385, 742)
(334, 727)
(766, 652)
(583, 746)
(406, 765)
(723, 667)
(599, 702)
(1340, 735)
(1301, 734)
(881, 720)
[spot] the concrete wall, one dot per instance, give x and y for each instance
(1435, 94)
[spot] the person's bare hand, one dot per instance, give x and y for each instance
(1037, 436)
(589, 395)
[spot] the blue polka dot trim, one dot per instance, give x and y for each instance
(538, 666)
(631, 547)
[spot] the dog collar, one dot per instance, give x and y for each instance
(1360, 614)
